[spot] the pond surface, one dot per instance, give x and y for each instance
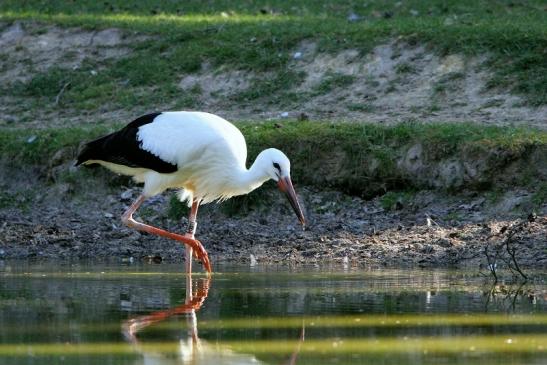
(145, 314)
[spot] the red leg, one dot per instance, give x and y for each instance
(187, 239)
(194, 303)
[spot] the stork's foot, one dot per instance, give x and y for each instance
(198, 251)
(187, 239)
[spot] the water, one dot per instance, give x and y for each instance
(144, 314)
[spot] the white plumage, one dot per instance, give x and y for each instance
(208, 150)
(199, 153)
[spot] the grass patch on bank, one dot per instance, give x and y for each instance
(396, 200)
(261, 37)
(540, 196)
(360, 159)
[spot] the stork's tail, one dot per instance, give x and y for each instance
(91, 151)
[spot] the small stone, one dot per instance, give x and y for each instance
(414, 12)
(284, 115)
(352, 17)
(108, 215)
(253, 260)
(31, 139)
(126, 195)
(297, 55)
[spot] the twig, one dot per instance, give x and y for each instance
(517, 293)
(512, 252)
(58, 97)
(513, 263)
(491, 264)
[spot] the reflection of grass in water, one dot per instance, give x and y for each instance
(382, 345)
(378, 320)
(317, 322)
(465, 281)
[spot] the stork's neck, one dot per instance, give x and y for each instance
(249, 179)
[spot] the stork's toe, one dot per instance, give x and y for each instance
(201, 254)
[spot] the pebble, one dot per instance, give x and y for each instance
(126, 195)
(352, 17)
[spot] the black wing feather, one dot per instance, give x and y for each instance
(123, 148)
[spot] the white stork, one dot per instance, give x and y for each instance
(199, 153)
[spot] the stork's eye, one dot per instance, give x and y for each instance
(276, 165)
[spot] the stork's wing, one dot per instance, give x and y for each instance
(124, 148)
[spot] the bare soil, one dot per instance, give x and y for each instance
(393, 83)
(29, 48)
(430, 229)
(398, 82)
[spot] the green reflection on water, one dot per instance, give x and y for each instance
(453, 344)
(126, 314)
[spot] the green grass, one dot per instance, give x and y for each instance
(360, 159)
(260, 37)
(405, 68)
(447, 83)
(18, 199)
(396, 200)
(540, 196)
(361, 107)
(333, 80)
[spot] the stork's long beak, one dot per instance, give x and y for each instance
(285, 185)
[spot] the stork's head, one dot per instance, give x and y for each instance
(278, 167)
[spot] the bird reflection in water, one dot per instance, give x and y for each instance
(193, 350)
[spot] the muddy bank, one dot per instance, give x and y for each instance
(425, 229)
